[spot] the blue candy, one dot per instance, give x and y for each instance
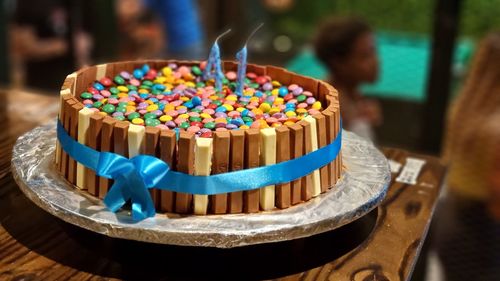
(138, 73)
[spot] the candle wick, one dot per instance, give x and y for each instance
(221, 35)
(253, 32)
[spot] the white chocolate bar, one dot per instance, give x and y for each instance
(267, 157)
(101, 71)
(62, 94)
(83, 126)
(202, 167)
(135, 140)
(316, 183)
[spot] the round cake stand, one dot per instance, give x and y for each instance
(363, 185)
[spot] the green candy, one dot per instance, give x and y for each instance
(200, 85)
(122, 103)
(145, 87)
(133, 115)
(97, 104)
(194, 119)
(153, 122)
(131, 87)
(114, 90)
(196, 70)
(108, 108)
(86, 95)
(147, 83)
(217, 102)
(196, 110)
(120, 117)
(121, 109)
(184, 125)
(301, 98)
(156, 92)
(247, 119)
(119, 80)
(149, 115)
(209, 125)
(225, 81)
(254, 85)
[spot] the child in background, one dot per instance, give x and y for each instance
(346, 46)
(466, 233)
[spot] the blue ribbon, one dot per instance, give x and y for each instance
(133, 177)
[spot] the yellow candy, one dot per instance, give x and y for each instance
(184, 98)
(248, 93)
(122, 89)
(263, 124)
(103, 113)
(149, 101)
(257, 111)
(240, 109)
(167, 71)
(184, 115)
(228, 107)
(180, 107)
(265, 107)
(232, 97)
(160, 80)
(244, 127)
(277, 124)
(143, 91)
(279, 101)
(104, 100)
(220, 120)
(137, 121)
(170, 80)
(152, 107)
(213, 97)
(290, 114)
(274, 110)
(122, 95)
(316, 105)
(168, 108)
(205, 115)
(254, 99)
(130, 108)
(289, 123)
(276, 83)
(190, 84)
(301, 110)
(275, 92)
(165, 118)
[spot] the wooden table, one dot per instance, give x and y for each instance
(37, 246)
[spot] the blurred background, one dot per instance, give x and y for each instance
(424, 49)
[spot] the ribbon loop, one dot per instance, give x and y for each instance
(132, 178)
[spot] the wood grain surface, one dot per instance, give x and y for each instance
(37, 246)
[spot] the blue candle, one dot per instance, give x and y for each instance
(241, 57)
(214, 64)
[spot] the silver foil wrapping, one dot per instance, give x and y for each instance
(362, 187)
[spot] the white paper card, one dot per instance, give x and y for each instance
(410, 171)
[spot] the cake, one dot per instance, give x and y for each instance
(167, 110)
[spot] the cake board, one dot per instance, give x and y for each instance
(364, 183)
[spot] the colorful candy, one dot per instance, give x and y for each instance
(178, 97)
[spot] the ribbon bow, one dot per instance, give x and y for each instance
(133, 177)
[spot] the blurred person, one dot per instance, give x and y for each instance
(184, 33)
(346, 46)
(466, 234)
(141, 34)
(40, 42)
